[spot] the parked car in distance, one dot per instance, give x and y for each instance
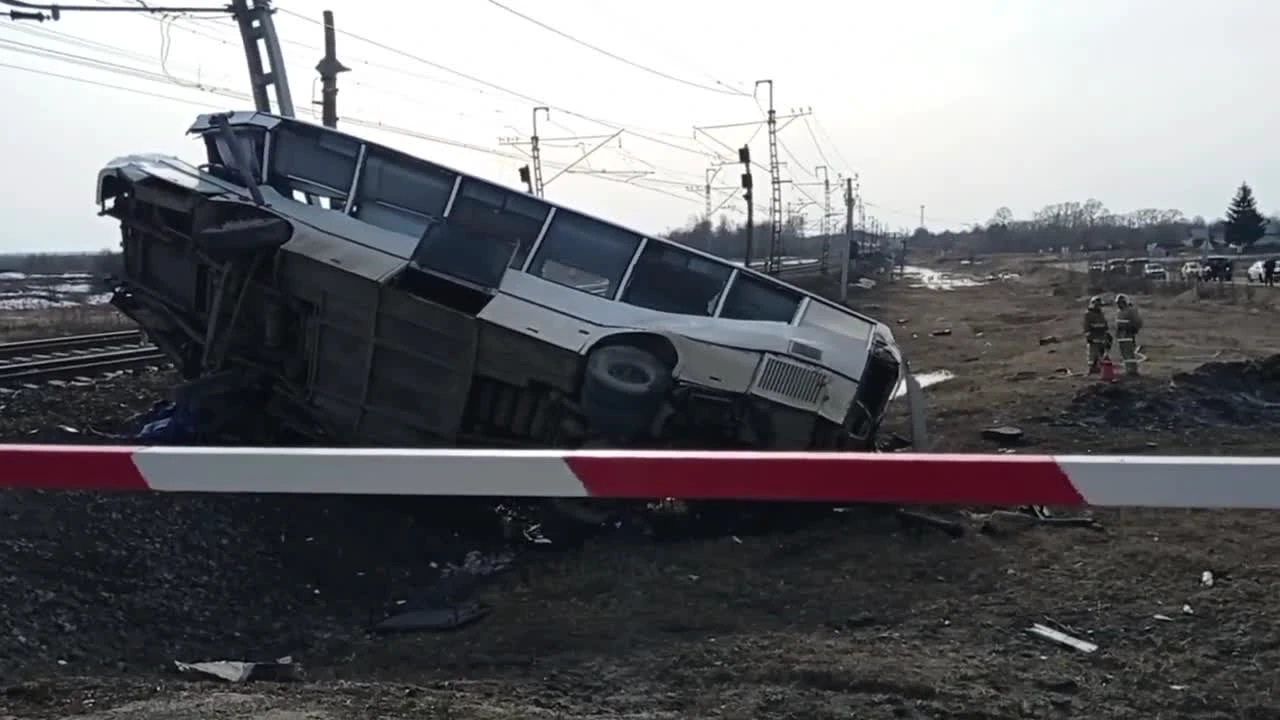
(1192, 270)
(1136, 267)
(1217, 267)
(1097, 266)
(1115, 266)
(1155, 271)
(1254, 273)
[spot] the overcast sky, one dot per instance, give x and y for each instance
(960, 105)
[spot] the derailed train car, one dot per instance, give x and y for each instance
(314, 287)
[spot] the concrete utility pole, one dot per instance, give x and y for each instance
(707, 190)
(848, 239)
(328, 68)
(823, 227)
(531, 174)
(710, 175)
(258, 32)
(862, 206)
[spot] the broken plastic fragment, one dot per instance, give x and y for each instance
(1049, 633)
(238, 671)
(447, 618)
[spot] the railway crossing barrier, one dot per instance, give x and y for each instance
(909, 479)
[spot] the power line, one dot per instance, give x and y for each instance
(145, 75)
(33, 11)
(495, 86)
(724, 90)
(83, 43)
(95, 83)
(641, 133)
(816, 145)
(167, 23)
(835, 147)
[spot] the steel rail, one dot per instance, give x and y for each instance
(26, 348)
(84, 365)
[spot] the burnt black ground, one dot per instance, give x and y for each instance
(128, 583)
(850, 619)
(1216, 394)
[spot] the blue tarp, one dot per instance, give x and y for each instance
(167, 422)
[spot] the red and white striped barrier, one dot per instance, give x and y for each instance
(924, 479)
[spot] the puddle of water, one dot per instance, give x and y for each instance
(926, 379)
(923, 277)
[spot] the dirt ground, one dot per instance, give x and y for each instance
(857, 618)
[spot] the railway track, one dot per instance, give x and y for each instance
(31, 361)
(73, 356)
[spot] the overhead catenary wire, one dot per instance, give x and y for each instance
(169, 22)
(168, 18)
(151, 76)
(55, 10)
(835, 147)
(106, 86)
(630, 129)
(816, 145)
(646, 134)
(723, 90)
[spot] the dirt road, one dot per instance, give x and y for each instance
(859, 617)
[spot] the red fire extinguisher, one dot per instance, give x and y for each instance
(1108, 369)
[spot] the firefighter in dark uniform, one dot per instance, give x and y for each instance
(1096, 333)
(1128, 324)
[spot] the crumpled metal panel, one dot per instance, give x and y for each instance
(342, 254)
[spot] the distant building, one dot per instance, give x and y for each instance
(1216, 235)
(1270, 242)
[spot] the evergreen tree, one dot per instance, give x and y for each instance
(1245, 225)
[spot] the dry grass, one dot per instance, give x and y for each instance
(55, 322)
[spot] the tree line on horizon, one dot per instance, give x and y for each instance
(1087, 226)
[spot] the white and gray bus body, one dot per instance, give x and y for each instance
(388, 299)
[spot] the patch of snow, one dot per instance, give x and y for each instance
(75, 288)
(936, 280)
(34, 303)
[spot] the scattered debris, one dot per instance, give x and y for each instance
(1007, 522)
(238, 671)
(1062, 638)
(941, 332)
(1206, 579)
(918, 519)
(1049, 340)
(1004, 434)
(439, 619)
